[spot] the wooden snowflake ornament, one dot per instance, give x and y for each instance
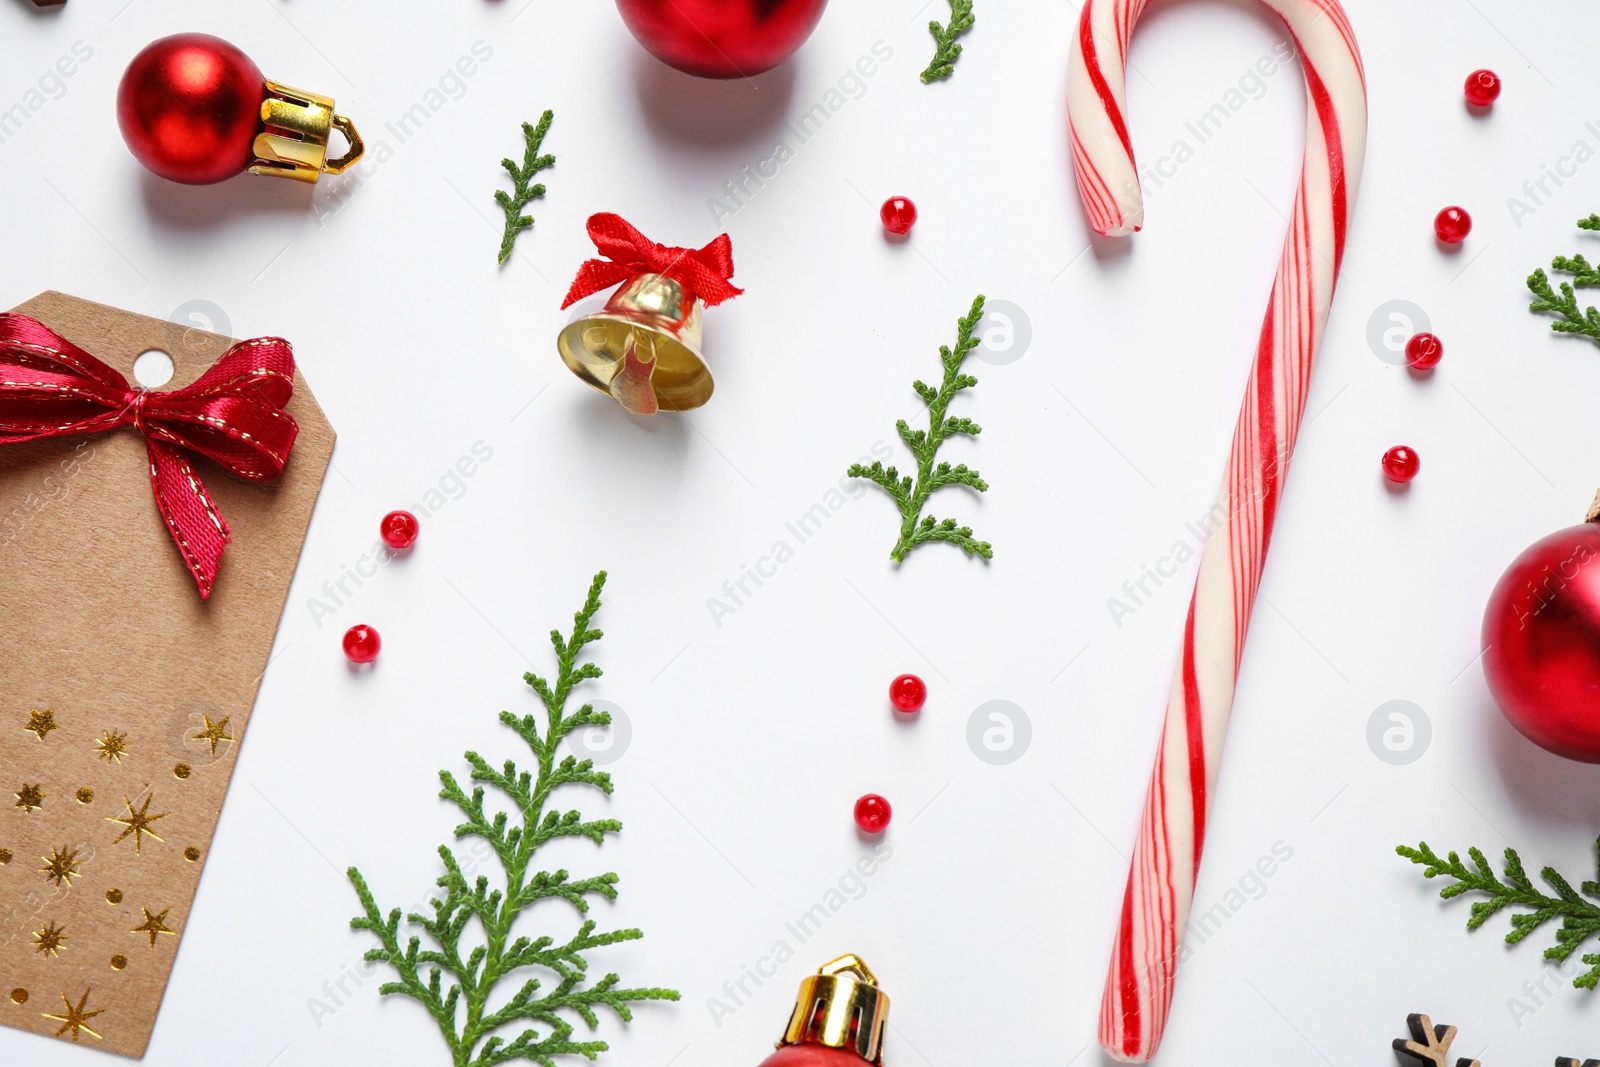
(1429, 1044)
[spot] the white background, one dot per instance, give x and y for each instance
(991, 923)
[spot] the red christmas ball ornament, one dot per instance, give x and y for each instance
(1541, 641)
(399, 529)
(1401, 464)
(1424, 351)
(1483, 88)
(908, 693)
(195, 109)
(838, 1019)
(362, 644)
(722, 38)
(898, 214)
(1452, 225)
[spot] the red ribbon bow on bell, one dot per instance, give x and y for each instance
(233, 414)
(704, 272)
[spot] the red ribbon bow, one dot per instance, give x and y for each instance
(233, 414)
(704, 272)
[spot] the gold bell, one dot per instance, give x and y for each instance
(643, 348)
(294, 142)
(841, 1006)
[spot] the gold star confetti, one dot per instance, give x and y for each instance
(29, 797)
(85, 795)
(111, 746)
(113, 896)
(214, 732)
(62, 865)
(19, 995)
(153, 925)
(137, 822)
(118, 962)
(48, 939)
(75, 1019)
(41, 722)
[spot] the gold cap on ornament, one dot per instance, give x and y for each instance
(841, 1006)
(294, 143)
(643, 348)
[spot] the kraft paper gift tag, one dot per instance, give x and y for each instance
(123, 695)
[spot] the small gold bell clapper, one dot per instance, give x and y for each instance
(643, 348)
(838, 1020)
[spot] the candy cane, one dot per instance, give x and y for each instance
(1155, 907)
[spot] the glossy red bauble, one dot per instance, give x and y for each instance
(1483, 88)
(1401, 464)
(1541, 643)
(873, 813)
(1424, 351)
(908, 693)
(399, 529)
(898, 215)
(362, 644)
(812, 1056)
(722, 38)
(190, 107)
(1452, 225)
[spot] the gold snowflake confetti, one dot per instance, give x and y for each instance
(29, 797)
(41, 722)
(75, 1018)
(48, 939)
(111, 746)
(214, 732)
(137, 823)
(153, 925)
(61, 865)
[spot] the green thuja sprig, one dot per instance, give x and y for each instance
(909, 496)
(454, 982)
(1580, 917)
(946, 51)
(522, 193)
(1586, 321)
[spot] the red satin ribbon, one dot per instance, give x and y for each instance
(704, 272)
(233, 414)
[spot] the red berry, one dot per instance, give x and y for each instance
(361, 644)
(872, 813)
(1400, 464)
(1424, 351)
(1452, 225)
(399, 529)
(898, 214)
(908, 693)
(1483, 88)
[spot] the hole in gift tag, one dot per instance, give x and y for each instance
(153, 368)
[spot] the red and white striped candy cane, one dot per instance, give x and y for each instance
(1155, 908)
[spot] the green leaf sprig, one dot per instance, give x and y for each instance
(946, 50)
(522, 193)
(1586, 321)
(1580, 917)
(463, 1011)
(909, 496)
